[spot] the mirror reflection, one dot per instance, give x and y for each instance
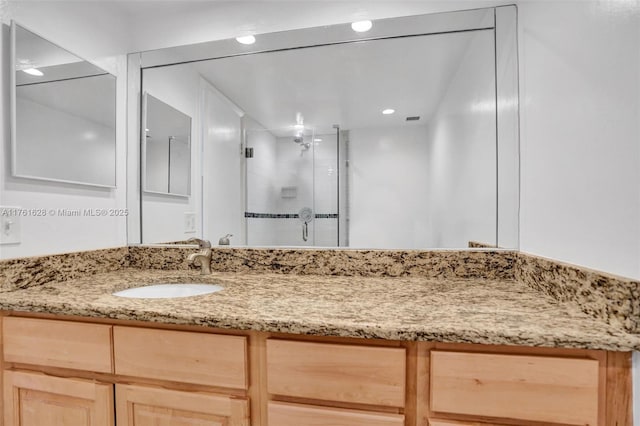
(64, 114)
(167, 149)
(386, 143)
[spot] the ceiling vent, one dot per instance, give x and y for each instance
(413, 118)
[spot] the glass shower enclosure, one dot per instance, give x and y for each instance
(292, 186)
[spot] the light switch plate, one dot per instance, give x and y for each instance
(189, 222)
(10, 225)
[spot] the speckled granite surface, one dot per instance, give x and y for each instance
(480, 296)
(484, 311)
(478, 244)
(34, 271)
(366, 263)
(610, 298)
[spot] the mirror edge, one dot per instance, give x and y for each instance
(507, 126)
(134, 155)
(12, 96)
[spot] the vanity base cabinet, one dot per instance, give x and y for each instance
(169, 375)
(147, 406)
(34, 399)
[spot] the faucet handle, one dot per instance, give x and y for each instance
(203, 244)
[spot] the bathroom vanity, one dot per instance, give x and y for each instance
(76, 372)
(301, 349)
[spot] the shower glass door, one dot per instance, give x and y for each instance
(291, 187)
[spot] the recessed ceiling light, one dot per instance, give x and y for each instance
(361, 26)
(388, 111)
(34, 71)
(246, 39)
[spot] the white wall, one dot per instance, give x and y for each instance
(163, 215)
(222, 168)
(461, 158)
(388, 187)
(57, 234)
(580, 104)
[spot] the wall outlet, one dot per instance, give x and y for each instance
(189, 222)
(10, 225)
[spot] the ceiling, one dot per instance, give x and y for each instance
(99, 28)
(348, 84)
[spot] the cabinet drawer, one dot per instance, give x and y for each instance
(285, 414)
(200, 358)
(346, 373)
(536, 388)
(55, 343)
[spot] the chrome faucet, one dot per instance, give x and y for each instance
(203, 257)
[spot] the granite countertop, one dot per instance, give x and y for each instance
(472, 310)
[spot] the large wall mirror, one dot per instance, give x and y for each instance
(63, 113)
(403, 136)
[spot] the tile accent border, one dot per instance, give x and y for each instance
(608, 297)
(287, 215)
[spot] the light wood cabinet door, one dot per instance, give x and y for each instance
(33, 399)
(147, 406)
(286, 414)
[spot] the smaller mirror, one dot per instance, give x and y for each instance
(167, 149)
(64, 114)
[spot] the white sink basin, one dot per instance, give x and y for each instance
(168, 291)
